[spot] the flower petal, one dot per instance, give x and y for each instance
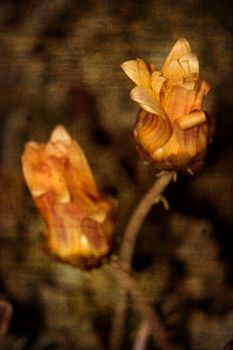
(178, 101)
(192, 119)
(202, 92)
(174, 70)
(157, 83)
(180, 49)
(188, 85)
(137, 71)
(42, 172)
(151, 131)
(190, 64)
(147, 99)
(60, 135)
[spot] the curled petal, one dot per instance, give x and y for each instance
(71, 235)
(147, 99)
(174, 70)
(190, 120)
(186, 66)
(43, 173)
(188, 84)
(190, 64)
(180, 49)
(60, 136)
(78, 175)
(137, 71)
(157, 82)
(178, 101)
(151, 131)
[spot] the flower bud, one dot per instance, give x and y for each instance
(171, 130)
(78, 221)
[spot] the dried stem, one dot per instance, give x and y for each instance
(138, 217)
(6, 310)
(141, 301)
(142, 336)
(126, 253)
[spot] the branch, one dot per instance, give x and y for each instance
(138, 217)
(126, 253)
(144, 333)
(141, 302)
(6, 310)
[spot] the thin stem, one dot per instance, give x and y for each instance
(117, 331)
(6, 311)
(133, 227)
(142, 336)
(142, 303)
(126, 253)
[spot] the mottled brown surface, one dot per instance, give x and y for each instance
(60, 64)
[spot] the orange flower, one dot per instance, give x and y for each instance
(79, 225)
(171, 130)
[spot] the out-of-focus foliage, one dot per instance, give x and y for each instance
(60, 64)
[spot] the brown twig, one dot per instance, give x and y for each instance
(141, 301)
(143, 334)
(138, 217)
(6, 310)
(126, 253)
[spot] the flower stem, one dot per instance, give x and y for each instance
(141, 301)
(125, 259)
(142, 336)
(133, 227)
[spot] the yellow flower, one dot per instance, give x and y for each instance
(171, 130)
(78, 221)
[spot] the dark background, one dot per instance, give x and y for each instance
(59, 63)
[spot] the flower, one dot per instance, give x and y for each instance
(79, 225)
(171, 130)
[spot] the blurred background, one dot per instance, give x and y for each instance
(59, 64)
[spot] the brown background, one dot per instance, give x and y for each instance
(59, 63)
